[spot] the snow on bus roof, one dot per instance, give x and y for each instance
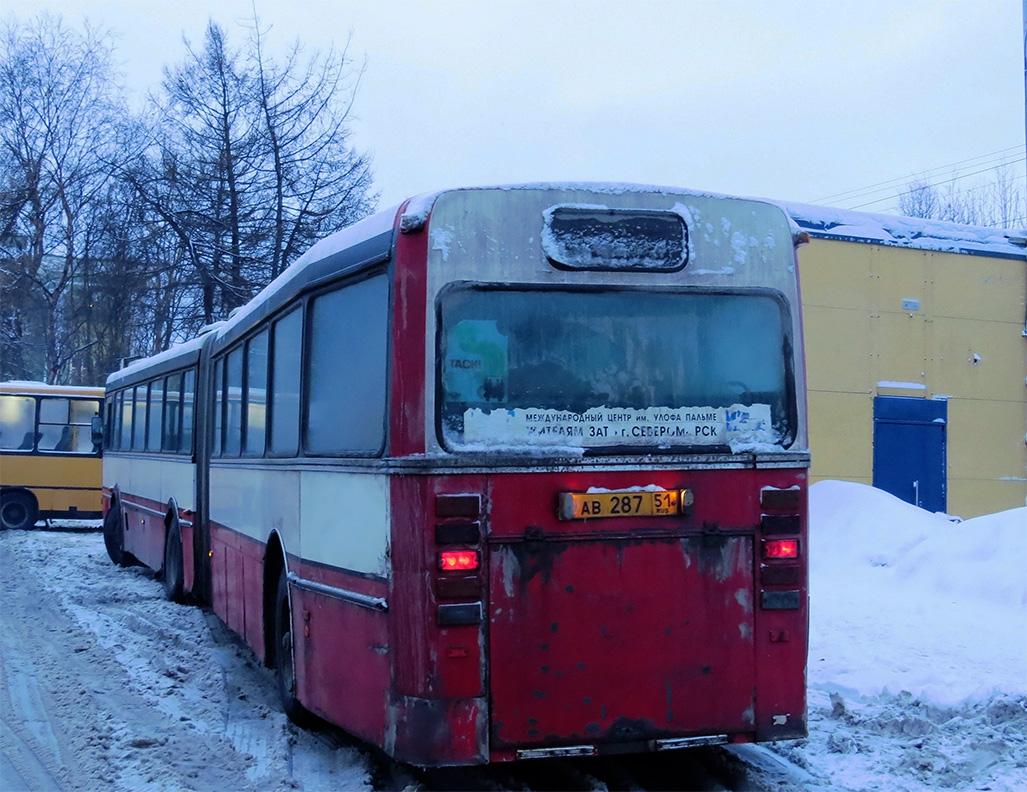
(414, 213)
(421, 204)
(171, 353)
(373, 225)
(34, 387)
(923, 234)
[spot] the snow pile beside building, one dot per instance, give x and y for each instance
(918, 650)
(901, 599)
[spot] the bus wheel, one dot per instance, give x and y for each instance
(172, 578)
(18, 511)
(285, 668)
(114, 533)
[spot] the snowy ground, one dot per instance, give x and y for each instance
(918, 647)
(917, 676)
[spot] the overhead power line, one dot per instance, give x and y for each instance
(994, 160)
(946, 181)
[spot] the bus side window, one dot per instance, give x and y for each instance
(219, 405)
(285, 384)
(96, 432)
(87, 437)
(256, 394)
(17, 422)
(155, 421)
(233, 407)
(139, 419)
(53, 424)
(127, 401)
(113, 408)
(185, 445)
(346, 375)
(66, 426)
(172, 413)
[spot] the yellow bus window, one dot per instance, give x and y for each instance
(17, 419)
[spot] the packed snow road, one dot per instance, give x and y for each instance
(108, 686)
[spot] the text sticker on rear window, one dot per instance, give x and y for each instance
(603, 426)
(475, 366)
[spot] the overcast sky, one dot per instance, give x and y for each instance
(794, 100)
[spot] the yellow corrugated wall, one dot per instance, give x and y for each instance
(965, 343)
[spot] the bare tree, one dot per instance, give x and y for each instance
(121, 235)
(202, 168)
(318, 183)
(919, 200)
(60, 135)
(251, 163)
(998, 203)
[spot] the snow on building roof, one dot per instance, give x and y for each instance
(880, 229)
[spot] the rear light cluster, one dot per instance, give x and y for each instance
(780, 548)
(458, 560)
(780, 567)
(458, 577)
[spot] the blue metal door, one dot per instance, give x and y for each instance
(909, 450)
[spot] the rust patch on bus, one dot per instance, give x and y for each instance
(535, 556)
(718, 555)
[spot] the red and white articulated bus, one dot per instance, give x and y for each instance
(503, 473)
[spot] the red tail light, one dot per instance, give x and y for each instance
(781, 548)
(458, 560)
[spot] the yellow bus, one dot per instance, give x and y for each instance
(50, 442)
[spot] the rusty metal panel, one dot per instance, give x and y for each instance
(584, 647)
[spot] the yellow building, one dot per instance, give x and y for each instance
(916, 348)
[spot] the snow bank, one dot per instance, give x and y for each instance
(905, 600)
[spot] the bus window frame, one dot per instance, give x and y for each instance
(308, 300)
(165, 446)
(188, 389)
(154, 445)
(33, 432)
(40, 399)
(218, 414)
(791, 407)
(262, 329)
(298, 309)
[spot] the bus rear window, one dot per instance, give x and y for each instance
(615, 371)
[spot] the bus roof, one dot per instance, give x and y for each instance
(358, 246)
(43, 389)
(370, 241)
(355, 247)
(176, 357)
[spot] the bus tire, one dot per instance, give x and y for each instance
(18, 510)
(285, 668)
(114, 532)
(172, 574)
